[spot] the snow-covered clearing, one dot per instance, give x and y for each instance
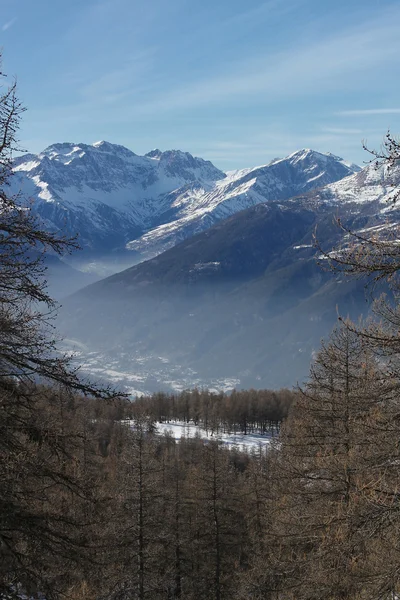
(251, 441)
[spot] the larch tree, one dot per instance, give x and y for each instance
(376, 256)
(323, 467)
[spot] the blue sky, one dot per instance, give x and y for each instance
(238, 83)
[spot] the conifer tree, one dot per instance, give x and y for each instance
(324, 466)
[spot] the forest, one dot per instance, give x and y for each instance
(95, 504)
(244, 411)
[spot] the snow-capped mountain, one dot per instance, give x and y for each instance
(368, 195)
(199, 208)
(372, 184)
(114, 199)
(104, 192)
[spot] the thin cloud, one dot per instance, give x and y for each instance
(369, 111)
(117, 83)
(342, 61)
(265, 9)
(315, 69)
(342, 130)
(9, 24)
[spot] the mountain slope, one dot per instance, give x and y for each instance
(199, 208)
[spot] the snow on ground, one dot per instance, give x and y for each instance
(179, 429)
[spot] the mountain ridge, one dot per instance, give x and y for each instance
(120, 202)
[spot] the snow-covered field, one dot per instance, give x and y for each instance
(178, 429)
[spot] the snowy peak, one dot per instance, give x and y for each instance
(116, 165)
(156, 153)
(299, 172)
(309, 157)
(376, 184)
(309, 154)
(183, 164)
(303, 154)
(66, 152)
(72, 172)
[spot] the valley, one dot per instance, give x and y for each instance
(137, 374)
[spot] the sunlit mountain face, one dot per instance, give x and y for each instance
(126, 208)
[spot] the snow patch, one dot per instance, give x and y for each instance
(209, 265)
(27, 166)
(240, 441)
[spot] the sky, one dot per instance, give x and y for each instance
(238, 83)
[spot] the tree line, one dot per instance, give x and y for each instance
(244, 411)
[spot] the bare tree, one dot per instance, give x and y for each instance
(27, 336)
(324, 468)
(44, 519)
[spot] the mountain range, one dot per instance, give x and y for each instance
(128, 207)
